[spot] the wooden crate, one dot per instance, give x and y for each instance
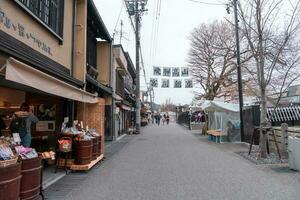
(61, 162)
(86, 167)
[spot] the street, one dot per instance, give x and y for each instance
(173, 163)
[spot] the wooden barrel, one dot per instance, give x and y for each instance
(10, 180)
(95, 147)
(84, 149)
(99, 146)
(31, 178)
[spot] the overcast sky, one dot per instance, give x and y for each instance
(164, 35)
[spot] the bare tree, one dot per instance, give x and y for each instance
(212, 58)
(168, 106)
(271, 28)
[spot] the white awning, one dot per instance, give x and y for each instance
(22, 73)
(124, 107)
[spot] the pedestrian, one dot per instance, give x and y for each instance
(149, 118)
(158, 117)
(164, 119)
(153, 117)
(168, 118)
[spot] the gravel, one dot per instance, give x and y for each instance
(254, 157)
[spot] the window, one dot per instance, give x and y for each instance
(49, 12)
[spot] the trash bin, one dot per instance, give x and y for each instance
(294, 152)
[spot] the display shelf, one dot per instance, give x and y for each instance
(87, 166)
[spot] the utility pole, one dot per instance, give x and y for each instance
(150, 89)
(137, 63)
(136, 8)
(121, 33)
(240, 84)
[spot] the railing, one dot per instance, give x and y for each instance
(120, 85)
(128, 84)
(92, 71)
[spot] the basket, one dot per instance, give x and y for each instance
(5, 163)
(65, 144)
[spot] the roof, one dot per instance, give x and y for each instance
(99, 22)
(219, 106)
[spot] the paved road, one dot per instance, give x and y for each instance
(171, 163)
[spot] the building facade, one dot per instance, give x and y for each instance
(56, 56)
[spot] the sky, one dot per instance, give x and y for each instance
(165, 29)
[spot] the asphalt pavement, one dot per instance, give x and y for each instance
(173, 163)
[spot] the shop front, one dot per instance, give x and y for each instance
(56, 105)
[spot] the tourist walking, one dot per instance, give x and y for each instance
(168, 118)
(157, 118)
(164, 119)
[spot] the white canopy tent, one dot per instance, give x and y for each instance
(223, 117)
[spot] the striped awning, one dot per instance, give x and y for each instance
(282, 114)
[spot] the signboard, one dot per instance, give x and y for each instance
(175, 71)
(45, 126)
(184, 72)
(188, 83)
(165, 83)
(154, 82)
(167, 71)
(156, 71)
(177, 83)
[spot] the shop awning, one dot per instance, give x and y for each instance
(22, 73)
(124, 107)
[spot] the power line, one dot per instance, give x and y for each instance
(154, 41)
(207, 3)
(119, 15)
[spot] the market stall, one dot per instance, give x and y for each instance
(223, 121)
(82, 148)
(20, 170)
(47, 136)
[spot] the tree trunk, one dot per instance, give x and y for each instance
(263, 124)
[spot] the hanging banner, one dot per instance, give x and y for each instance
(167, 71)
(175, 71)
(188, 83)
(154, 82)
(185, 72)
(177, 83)
(156, 71)
(165, 83)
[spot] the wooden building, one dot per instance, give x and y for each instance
(56, 56)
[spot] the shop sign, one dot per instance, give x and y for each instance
(45, 126)
(22, 32)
